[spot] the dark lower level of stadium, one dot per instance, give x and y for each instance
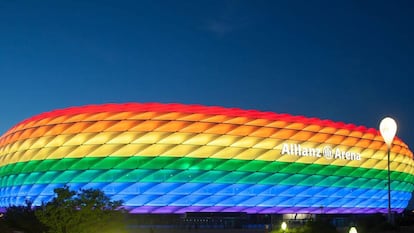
(252, 223)
(201, 220)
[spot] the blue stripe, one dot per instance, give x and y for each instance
(202, 194)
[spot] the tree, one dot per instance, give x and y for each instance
(86, 211)
(23, 218)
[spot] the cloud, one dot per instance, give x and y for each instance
(220, 28)
(228, 18)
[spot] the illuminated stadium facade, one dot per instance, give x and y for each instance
(173, 158)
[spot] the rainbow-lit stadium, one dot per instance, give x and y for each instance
(174, 158)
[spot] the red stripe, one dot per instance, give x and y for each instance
(209, 110)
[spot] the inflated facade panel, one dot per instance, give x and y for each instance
(173, 158)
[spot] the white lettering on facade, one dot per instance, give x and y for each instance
(327, 152)
(298, 150)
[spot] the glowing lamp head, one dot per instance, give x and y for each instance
(388, 128)
(353, 230)
(284, 226)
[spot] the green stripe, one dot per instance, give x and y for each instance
(142, 162)
(199, 176)
(173, 169)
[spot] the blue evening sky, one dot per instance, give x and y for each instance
(349, 61)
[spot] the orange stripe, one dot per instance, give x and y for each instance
(200, 127)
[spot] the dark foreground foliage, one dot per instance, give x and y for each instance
(23, 218)
(86, 211)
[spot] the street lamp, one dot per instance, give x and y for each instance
(283, 226)
(388, 128)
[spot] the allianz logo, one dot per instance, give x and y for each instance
(327, 152)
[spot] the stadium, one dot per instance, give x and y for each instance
(175, 158)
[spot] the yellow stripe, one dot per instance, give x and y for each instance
(175, 144)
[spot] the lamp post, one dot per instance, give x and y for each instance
(388, 128)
